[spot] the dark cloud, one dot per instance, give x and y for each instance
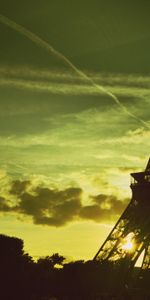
(110, 201)
(94, 212)
(48, 206)
(18, 187)
(104, 207)
(51, 207)
(4, 207)
(55, 207)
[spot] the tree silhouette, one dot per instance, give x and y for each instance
(23, 279)
(57, 259)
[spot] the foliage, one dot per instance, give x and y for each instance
(22, 278)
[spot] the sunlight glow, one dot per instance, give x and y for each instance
(128, 246)
(128, 243)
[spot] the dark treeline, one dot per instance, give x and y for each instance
(21, 278)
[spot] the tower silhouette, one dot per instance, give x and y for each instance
(131, 234)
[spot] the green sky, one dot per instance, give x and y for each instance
(74, 119)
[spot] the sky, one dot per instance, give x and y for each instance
(74, 119)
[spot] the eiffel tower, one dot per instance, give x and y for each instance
(131, 234)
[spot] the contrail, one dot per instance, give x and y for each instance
(46, 46)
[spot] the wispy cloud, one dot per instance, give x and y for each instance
(68, 83)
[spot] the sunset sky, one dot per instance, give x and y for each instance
(74, 119)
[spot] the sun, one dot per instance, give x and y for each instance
(128, 242)
(128, 246)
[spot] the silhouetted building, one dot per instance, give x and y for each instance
(131, 234)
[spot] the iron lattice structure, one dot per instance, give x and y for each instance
(131, 234)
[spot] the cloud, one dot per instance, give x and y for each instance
(51, 207)
(67, 83)
(55, 207)
(4, 207)
(104, 207)
(18, 187)
(58, 113)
